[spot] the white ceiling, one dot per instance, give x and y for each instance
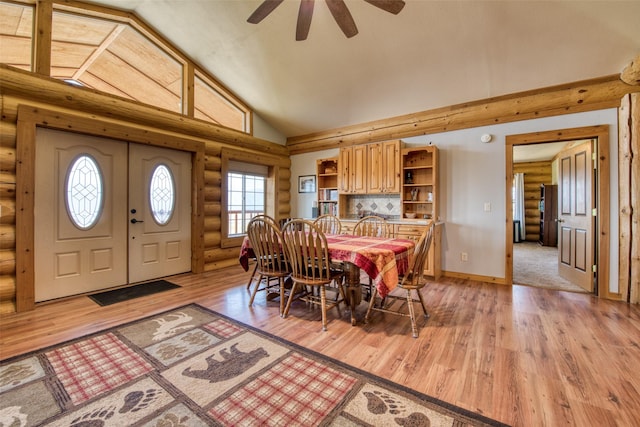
(432, 54)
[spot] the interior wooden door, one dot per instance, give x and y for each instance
(575, 215)
(80, 222)
(159, 212)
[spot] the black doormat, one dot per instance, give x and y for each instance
(131, 292)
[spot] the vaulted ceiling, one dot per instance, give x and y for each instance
(432, 54)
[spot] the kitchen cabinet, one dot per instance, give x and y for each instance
(383, 167)
(370, 168)
(353, 170)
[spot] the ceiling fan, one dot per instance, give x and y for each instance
(338, 9)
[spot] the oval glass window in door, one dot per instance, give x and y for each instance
(84, 195)
(162, 195)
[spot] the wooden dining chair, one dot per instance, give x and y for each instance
(307, 253)
(266, 241)
(373, 226)
(329, 224)
(255, 268)
(413, 280)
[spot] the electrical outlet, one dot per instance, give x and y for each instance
(487, 207)
(464, 257)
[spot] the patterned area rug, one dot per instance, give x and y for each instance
(194, 367)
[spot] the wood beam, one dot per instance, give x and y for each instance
(631, 73)
(589, 95)
(42, 38)
(23, 84)
(99, 51)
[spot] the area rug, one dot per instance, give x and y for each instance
(194, 367)
(131, 292)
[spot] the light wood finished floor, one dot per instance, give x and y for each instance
(521, 355)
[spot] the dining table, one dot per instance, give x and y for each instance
(383, 259)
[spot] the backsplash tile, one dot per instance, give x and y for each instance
(378, 204)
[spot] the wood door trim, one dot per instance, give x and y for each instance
(602, 231)
(29, 117)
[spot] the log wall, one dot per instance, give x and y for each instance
(57, 105)
(535, 174)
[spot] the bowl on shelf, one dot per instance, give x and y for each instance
(410, 215)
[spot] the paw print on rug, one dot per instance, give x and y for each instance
(15, 374)
(137, 400)
(95, 418)
(172, 420)
(379, 403)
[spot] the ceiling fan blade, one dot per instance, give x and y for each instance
(343, 17)
(304, 19)
(391, 6)
(263, 10)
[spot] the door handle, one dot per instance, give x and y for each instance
(559, 220)
(134, 221)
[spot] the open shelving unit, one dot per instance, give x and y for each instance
(327, 171)
(420, 182)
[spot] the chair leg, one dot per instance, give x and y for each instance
(412, 315)
(255, 290)
(323, 306)
(281, 295)
(371, 304)
(424, 308)
(291, 294)
(255, 268)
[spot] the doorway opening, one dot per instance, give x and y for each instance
(530, 256)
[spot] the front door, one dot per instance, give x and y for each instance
(575, 217)
(80, 217)
(159, 212)
(84, 236)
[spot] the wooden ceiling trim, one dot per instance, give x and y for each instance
(41, 54)
(98, 51)
(588, 95)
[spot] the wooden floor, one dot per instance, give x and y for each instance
(520, 355)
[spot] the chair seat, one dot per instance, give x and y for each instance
(266, 240)
(307, 254)
(413, 280)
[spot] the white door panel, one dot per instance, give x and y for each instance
(70, 259)
(159, 246)
(576, 223)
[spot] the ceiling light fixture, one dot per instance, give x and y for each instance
(338, 9)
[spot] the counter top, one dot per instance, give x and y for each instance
(416, 221)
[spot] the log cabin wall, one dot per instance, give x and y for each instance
(535, 174)
(629, 196)
(51, 103)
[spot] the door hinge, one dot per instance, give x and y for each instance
(595, 160)
(594, 268)
(594, 212)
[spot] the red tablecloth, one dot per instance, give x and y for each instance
(383, 259)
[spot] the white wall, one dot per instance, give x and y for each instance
(263, 130)
(473, 173)
(305, 164)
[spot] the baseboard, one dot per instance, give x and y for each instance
(476, 277)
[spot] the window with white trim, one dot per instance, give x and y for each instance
(246, 198)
